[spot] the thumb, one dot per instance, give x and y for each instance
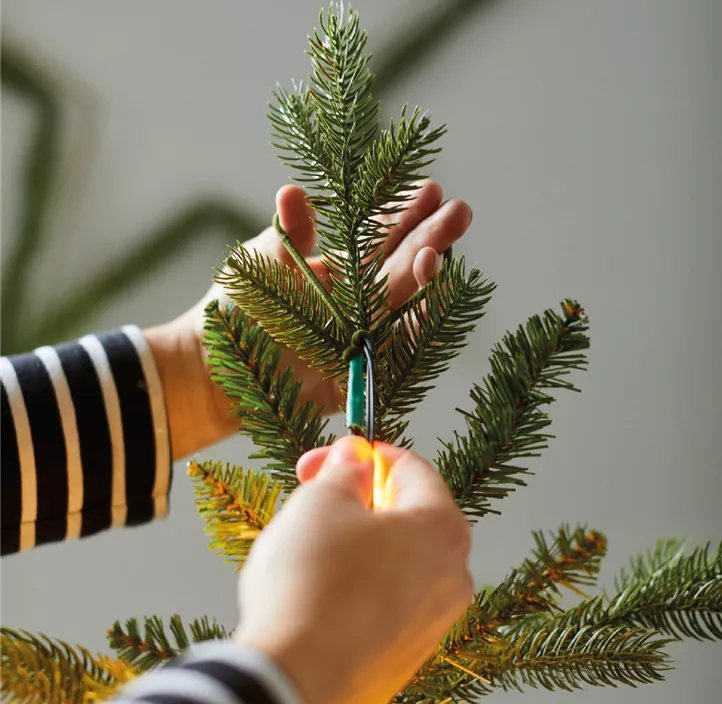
(349, 465)
(412, 482)
(296, 218)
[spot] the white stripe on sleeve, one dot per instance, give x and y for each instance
(191, 685)
(160, 420)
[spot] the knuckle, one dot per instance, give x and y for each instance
(451, 527)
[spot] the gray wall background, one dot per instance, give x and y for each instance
(587, 138)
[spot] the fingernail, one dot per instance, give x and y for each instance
(439, 262)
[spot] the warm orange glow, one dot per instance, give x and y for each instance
(381, 473)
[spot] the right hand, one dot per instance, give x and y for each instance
(351, 602)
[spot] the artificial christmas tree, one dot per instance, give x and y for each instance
(385, 361)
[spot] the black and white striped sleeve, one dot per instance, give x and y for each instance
(217, 672)
(85, 440)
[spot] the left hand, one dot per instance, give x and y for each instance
(198, 410)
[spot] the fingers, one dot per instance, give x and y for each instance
(412, 482)
(426, 264)
(438, 232)
(296, 218)
(425, 201)
(348, 465)
(309, 465)
(414, 488)
(425, 224)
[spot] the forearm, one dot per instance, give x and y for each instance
(198, 412)
(85, 442)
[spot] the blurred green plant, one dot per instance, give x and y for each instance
(402, 54)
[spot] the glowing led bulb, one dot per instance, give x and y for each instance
(381, 472)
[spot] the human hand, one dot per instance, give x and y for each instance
(198, 409)
(351, 602)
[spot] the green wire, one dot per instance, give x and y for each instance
(355, 400)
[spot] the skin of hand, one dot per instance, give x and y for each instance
(350, 601)
(198, 410)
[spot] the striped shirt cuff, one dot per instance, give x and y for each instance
(217, 672)
(85, 440)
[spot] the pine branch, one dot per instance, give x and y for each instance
(36, 670)
(311, 277)
(565, 659)
(340, 84)
(202, 629)
(570, 560)
(664, 554)
(384, 182)
(245, 363)
(459, 660)
(431, 331)
(346, 116)
(146, 651)
(569, 658)
(326, 130)
(350, 243)
(677, 594)
(394, 163)
(508, 421)
(293, 124)
(681, 596)
(282, 301)
(236, 504)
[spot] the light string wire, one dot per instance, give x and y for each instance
(367, 346)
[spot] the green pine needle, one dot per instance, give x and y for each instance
(151, 647)
(507, 422)
(345, 111)
(345, 115)
(573, 657)
(38, 669)
(557, 659)
(282, 301)
(394, 163)
(246, 363)
(236, 504)
(571, 559)
(430, 331)
(681, 596)
(327, 130)
(677, 594)
(299, 144)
